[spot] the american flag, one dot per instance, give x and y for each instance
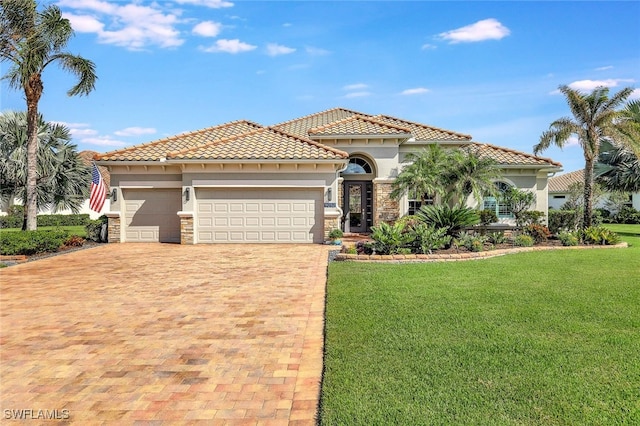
(98, 190)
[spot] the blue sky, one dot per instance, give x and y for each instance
(488, 69)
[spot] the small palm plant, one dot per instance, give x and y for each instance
(454, 219)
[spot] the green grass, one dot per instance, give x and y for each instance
(549, 338)
(73, 230)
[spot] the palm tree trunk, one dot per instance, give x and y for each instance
(33, 91)
(588, 193)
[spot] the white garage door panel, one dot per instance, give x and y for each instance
(259, 216)
(151, 215)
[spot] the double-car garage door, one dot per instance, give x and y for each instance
(266, 215)
(223, 215)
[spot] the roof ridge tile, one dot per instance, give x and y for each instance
(370, 119)
(311, 142)
(306, 117)
(515, 151)
(427, 126)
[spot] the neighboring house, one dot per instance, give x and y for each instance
(290, 182)
(559, 191)
(87, 157)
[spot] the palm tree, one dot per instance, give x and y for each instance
(62, 175)
(30, 40)
(471, 175)
(595, 120)
(424, 175)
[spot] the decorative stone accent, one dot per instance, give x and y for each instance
(113, 228)
(330, 222)
(385, 208)
(186, 228)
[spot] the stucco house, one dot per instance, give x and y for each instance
(559, 191)
(290, 182)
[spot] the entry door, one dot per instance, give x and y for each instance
(358, 202)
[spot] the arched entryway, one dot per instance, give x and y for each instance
(357, 194)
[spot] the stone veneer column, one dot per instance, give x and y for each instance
(113, 227)
(186, 227)
(330, 222)
(385, 208)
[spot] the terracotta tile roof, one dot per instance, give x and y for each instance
(562, 182)
(509, 157)
(87, 157)
(262, 144)
(300, 126)
(156, 150)
(423, 132)
(359, 125)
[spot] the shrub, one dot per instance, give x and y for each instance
(600, 235)
(569, 238)
(496, 237)
(488, 217)
(14, 217)
(74, 241)
(389, 238)
(409, 222)
(336, 234)
(428, 238)
(531, 217)
(471, 242)
(628, 215)
(563, 220)
(32, 242)
(94, 230)
(454, 219)
(523, 240)
(63, 219)
(540, 233)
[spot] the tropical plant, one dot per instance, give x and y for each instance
(496, 237)
(390, 238)
(518, 201)
(523, 240)
(539, 233)
(471, 241)
(600, 235)
(595, 119)
(62, 178)
(618, 169)
(428, 238)
(453, 219)
(471, 175)
(628, 215)
(423, 175)
(487, 217)
(569, 238)
(30, 40)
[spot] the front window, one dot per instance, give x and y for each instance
(416, 202)
(496, 204)
(357, 166)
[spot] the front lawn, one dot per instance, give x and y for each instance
(531, 338)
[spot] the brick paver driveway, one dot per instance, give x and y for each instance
(158, 334)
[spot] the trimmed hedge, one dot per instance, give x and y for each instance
(15, 218)
(32, 242)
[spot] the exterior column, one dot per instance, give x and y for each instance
(113, 227)
(186, 228)
(385, 209)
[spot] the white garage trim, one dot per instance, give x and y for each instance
(259, 184)
(259, 215)
(151, 215)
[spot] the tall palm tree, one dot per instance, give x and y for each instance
(30, 40)
(595, 119)
(62, 175)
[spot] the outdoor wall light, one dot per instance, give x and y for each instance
(329, 194)
(114, 195)
(187, 194)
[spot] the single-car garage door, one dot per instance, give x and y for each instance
(151, 215)
(260, 215)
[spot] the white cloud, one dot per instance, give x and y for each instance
(316, 51)
(213, 4)
(207, 29)
(428, 46)
(589, 85)
(608, 67)
(487, 29)
(228, 46)
(635, 95)
(274, 49)
(572, 141)
(356, 86)
(135, 131)
(357, 95)
(131, 25)
(415, 91)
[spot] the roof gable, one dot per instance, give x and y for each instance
(158, 150)
(300, 126)
(358, 125)
(423, 132)
(262, 144)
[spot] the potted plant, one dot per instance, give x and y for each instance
(335, 236)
